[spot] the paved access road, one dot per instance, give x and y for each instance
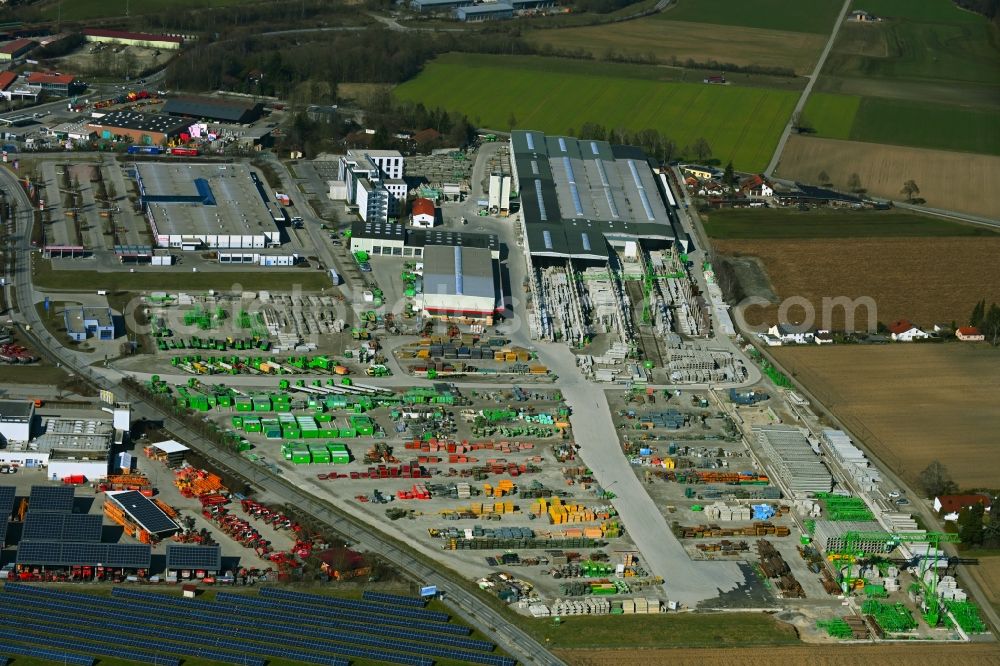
(488, 620)
(773, 164)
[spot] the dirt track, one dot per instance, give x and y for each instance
(949, 180)
(814, 655)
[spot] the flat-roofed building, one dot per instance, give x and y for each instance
(66, 447)
(488, 11)
(143, 39)
(220, 206)
(431, 6)
(150, 129)
(373, 181)
(392, 239)
(16, 418)
(83, 322)
(223, 109)
(461, 282)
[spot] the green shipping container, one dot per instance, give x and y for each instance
(244, 405)
(272, 433)
(252, 425)
(238, 422)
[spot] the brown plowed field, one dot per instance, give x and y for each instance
(953, 181)
(988, 574)
(911, 403)
(815, 655)
(925, 280)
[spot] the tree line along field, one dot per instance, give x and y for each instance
(947, 180)
(672, 42)
(815, 16)
(741, 124)
(911, 404)
(82, 10)
(738, 223)
(904, 122)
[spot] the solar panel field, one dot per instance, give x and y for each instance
(276, 627)
(557, 96)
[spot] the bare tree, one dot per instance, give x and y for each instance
(701, 149)
(910, 189)
(935, 480)
(854, 183)
(824, 178)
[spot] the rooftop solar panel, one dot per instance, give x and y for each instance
(181, 556)
(66, 554)
(144, 511)
(51, 498)
(7, 496)
(61, 527)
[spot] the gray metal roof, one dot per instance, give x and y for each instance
(487, 8)
(575, 194)
(211, 107)
(16, 409)
(458, 271)
(143, 122)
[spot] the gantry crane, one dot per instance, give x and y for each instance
(850, 552)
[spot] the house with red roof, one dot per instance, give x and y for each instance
(756, 186)
(53, 83)
(949, 506)
(904, 331)
(423, 214)
(15, 49)
(969, 334)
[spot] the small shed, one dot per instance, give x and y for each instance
(190, 590)
(173, 450)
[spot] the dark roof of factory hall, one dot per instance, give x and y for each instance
(143, 122)
(575, 194)
(216, 108)
(394, 231)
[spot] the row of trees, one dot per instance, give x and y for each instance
(652, 141)
(987, 320)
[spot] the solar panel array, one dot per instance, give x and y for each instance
(352, 604)
(22, 632)
(43, 526)
(51, 655)
(64, 554)
(7, 496)
(395, 599)
(195, 623)
(145, 512)
(184, 556)
(261, 610)
(51, 498)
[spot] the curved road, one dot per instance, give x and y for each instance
(484, 617)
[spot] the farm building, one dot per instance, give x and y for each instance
(432, 6)
(82, 322)
(149, 129)
(186, 561)
(756, 186)
(700, 172)
(143, 39)
(579, 198)
(142, 518)
(15, 49)
(949, 506)
(422, 213)
(904, 331)
(488, 11)
(16, 419)
(969, 334)
(60, 85)
(789, 334)
(192, 206)
(461, 282)
(392, 239)
(373, 181)
(213, 108)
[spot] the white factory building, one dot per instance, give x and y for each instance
(198, 206)
(461, 283)
(63, 446)
(373, 181)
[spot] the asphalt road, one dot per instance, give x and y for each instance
(812, 78)
(488, 620)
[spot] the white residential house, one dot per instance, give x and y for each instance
(790, 335)
(904, 331)
(823, 337)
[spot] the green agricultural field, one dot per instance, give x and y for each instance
(904, 123)
(832, 115)
(788, 223)
(794, 15)
(740, 124)
(82, 10)
(927, 125)
(930, 41)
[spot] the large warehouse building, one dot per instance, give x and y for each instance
(392, 239)
(195, 206)
(461, 282)
(581, 198)
(213, 108)
(151, 129)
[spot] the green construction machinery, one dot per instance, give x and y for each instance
(840, 508)
(925, 563)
